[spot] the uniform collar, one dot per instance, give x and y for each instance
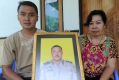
(61, 62)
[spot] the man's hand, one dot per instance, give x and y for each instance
(9, 74)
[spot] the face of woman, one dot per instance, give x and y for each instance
(96, 25)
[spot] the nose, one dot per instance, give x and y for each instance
(94, 25)
(27, 17)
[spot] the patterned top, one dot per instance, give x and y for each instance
(95, 56)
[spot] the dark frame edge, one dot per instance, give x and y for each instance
(3, 37)
(80, 17)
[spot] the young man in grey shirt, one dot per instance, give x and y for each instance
(19, 45)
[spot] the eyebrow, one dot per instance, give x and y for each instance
(96, 21)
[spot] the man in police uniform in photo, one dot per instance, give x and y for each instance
(58, 69)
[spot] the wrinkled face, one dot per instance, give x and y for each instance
(96, 26)
(57, 53)
(27, 17)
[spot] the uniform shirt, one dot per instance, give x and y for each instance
(63, 71)
(19, 48)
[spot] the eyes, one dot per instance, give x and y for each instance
(25, 14)
(97, 23)
(58, 51)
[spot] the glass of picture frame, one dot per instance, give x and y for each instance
(43, 43)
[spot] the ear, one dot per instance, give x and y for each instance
(37, 18)
(18, 17)
(105, 26)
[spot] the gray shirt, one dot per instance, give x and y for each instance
(19, 48)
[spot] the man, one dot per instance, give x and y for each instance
(19, 45)
(58, 69)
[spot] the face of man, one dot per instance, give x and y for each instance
(57, 54)
(27, 17)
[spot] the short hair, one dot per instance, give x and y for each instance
(27, 3)
(101, 13)
(56, 46)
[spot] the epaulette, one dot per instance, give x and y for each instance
(46, 63)
(67, 61)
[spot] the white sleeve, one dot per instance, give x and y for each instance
(43, 73)
(74, 73)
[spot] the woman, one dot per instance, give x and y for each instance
(98, 50)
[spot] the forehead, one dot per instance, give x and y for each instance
(26, 8)
(96, 18)
(56, 48)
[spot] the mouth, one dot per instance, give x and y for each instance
(96, 31)
(56, 56)
(27, 24)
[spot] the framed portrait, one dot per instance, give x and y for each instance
(67, 52)
(51, 15)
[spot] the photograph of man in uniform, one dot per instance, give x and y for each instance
(57, 68)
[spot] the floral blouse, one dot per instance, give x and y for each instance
(95, 56)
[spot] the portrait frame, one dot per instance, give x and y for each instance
(44, 22)
(43, 40)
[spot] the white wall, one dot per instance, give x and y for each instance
(71, 14)
(8, 16)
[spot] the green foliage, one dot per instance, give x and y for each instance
(51, 24)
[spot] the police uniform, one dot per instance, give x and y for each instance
(65, 70)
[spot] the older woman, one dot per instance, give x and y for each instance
(98, 50)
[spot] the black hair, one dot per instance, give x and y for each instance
(28, 3)
(56, 46)
(96, 12)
